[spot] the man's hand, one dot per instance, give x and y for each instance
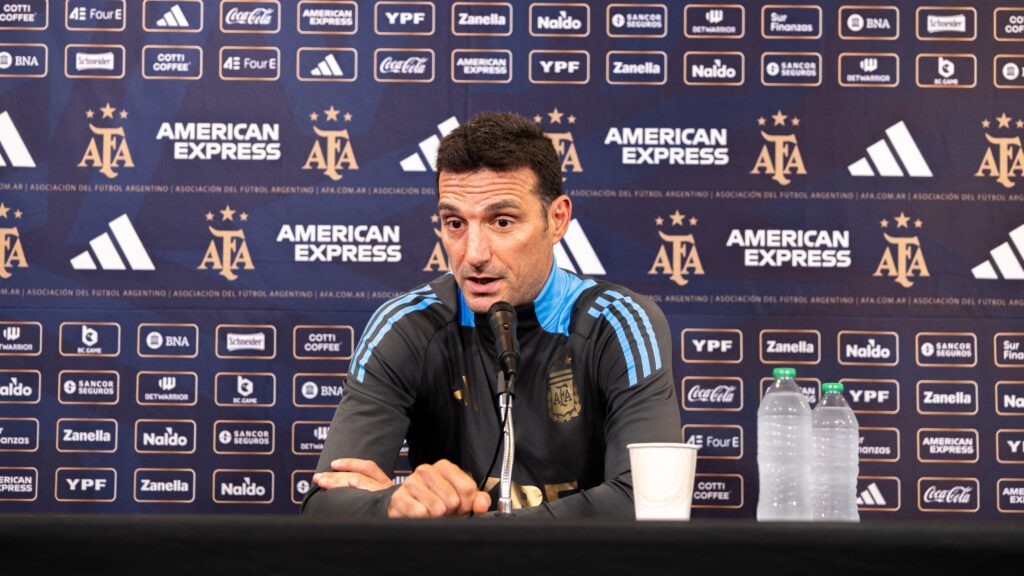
(353, 473)
(440, 489)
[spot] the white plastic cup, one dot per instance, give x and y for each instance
(663, 475)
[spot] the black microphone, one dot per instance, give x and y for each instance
(502, 318)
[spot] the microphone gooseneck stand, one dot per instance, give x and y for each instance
(505, 396)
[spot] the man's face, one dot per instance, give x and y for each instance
(498, 239)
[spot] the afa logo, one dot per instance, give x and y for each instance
(903, 258)
(437, 261)
(1004, 158)
(780, 155)
(12, 255)
(332, 150)
(228, 250)
(563, 141)
(677, 257)
(108, 147)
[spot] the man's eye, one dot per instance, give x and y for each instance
(503, 222)
(454, 224)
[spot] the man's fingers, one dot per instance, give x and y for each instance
(406, 507)
(481, 502)
(422, 493)
(437, 482)
(364, 467)
(329, 480)
(461, 482)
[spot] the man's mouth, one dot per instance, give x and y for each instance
(482, 284)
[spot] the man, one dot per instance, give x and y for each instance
(595, 373)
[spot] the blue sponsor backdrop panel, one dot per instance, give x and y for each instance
(201, 203)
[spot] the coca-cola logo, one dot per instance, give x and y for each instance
(957, 495)
(720, 394)
(254, 17)
(413, 65)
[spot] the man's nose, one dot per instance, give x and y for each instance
(478, 248)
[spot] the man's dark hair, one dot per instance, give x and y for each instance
(503, 141)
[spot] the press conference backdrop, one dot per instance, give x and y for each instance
(202, 202)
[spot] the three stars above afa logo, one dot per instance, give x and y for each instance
(562, 140)
(780, 155)
(903, 258)
(228, 250)
(12, 255)
(108, 146)
(1004, 157)
(332, 150)
(677, 256)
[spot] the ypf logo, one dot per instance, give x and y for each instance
(12, 254)
(903, 258)
(780, 155)
(332, 150)
(562, 140)
(108, 147)
(1004, 157)
(677, 256)
(228, 250)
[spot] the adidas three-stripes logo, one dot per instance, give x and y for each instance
(871, 496)
(384, 320)
(623, 313)
(881, 155)
(1003, 260)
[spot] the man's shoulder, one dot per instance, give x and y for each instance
(606, 305)
(432, 304)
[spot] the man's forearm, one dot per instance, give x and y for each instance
(352, 502)
(611, 499)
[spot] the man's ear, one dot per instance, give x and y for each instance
(559, 215)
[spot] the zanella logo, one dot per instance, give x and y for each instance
(228, 250)
(332, 150)
(250, 16)
(563, 141)
(903, 258)
(108, 146)
(12, 254)
(1004, 157)
(677, 256)
(780, 155)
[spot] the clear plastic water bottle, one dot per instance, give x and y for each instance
(834, 466)
(784, 451)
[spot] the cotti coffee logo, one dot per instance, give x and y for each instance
(332, 151)
(903, 258)
(948, 495)
(108, 149)
(780, 155)
(24, 14)
(228, 250)
(323, 342)
(172, 62)
(1009, 24)
(677, 255)
(1004, 158)
(723, 491)
(12, 253)
(243, 486)
(781, 248)
(652, 146)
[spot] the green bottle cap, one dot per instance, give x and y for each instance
(784, 373)
(832, 388)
